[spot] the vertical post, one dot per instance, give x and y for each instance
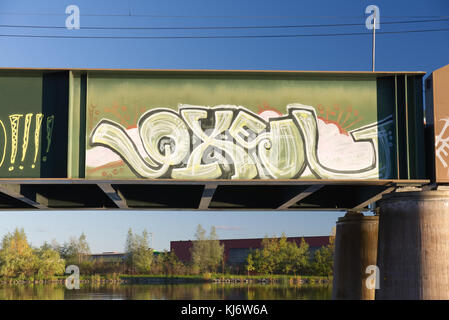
(355, 250)
(374, 41)
(413, 251)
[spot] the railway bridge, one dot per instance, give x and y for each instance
(355, 142)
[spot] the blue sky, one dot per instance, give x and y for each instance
(106, 231)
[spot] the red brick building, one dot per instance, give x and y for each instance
(236, 250)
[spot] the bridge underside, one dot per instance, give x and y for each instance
(82, 194)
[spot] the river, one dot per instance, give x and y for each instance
(206, 291)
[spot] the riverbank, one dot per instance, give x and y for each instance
(179, 279)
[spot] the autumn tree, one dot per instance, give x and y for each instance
(16, 255)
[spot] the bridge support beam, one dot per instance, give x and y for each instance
(355, 250)
(413, 253)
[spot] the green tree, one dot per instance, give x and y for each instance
(250, 264)
(170, 263)
(48, 262)
(279, 256)
(323, 260)
(76, 251)
(216, 250)
(130, 248)
(139, 255)
(207, 252)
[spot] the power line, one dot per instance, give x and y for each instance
(222, 27)
(129, 14)
(222, 37)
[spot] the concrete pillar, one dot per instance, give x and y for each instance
(355, 249)
(413, 252)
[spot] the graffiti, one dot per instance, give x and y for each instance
(441, 144)
(14, 119)
(37, 134)
(15, 124)
(50, 124)
(232, 142)
(5, 139)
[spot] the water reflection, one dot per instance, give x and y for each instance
(210, 291)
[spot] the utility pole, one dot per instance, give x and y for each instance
(373, 22)
(374, 41)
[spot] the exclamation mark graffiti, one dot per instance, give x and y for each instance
(5, 142)
(37, 135)
(14, 119)
(50, 124)
(26, 135)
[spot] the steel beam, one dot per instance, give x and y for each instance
(305, 193)
(115, 196)
(14, 191)
(206, 197)
(373, 199)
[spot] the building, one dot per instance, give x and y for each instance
(237, 250)
(111, 256)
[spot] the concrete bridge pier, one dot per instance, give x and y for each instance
(413, 249)
(355, 250)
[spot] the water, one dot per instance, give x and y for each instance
(209, 291)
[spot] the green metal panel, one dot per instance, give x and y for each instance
(354, 118)
(210, 125)
(33, 124)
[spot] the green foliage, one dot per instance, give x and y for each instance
(139, 255)
(207, 252)
(324, 259)
(279, 256)
(18, 259)
(76, 251)
(16, 255)
(48, 262)
(169, 264)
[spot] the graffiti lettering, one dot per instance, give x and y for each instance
(441, 143)
(232, 142)
(16, 133)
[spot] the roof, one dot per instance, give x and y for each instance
(343, 72)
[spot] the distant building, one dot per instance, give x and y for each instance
(236, 250)
(108, 256)
(112, 256)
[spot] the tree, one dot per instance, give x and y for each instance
(170, 263)
(323, 263)
(16, 255)
(130, 248)
(207, 252)
(139, 255)
(48, 262)
(250, 264)
(279, 256)
(216, 250)
(76, 250)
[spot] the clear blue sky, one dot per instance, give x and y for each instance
(106, 231)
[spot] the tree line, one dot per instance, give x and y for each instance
(18, 259)
(279, 256)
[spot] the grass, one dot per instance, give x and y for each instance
(201, 277)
